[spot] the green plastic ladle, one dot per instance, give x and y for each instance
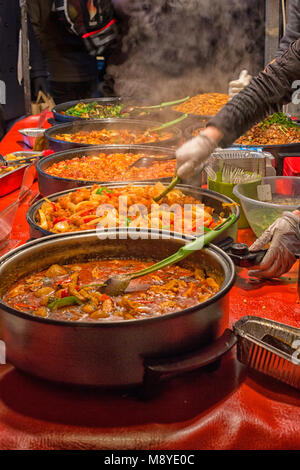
(116, 285)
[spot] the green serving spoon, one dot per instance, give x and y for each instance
(116, 285)
(168, 124)
(132, 109)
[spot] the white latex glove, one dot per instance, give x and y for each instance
(284, 238)
(192, 155)
(237, 85)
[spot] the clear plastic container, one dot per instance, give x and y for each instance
(260, 215)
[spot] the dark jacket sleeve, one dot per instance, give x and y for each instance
(292, 28)
(265, 95)
(37, 62)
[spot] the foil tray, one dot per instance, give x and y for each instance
(269, 347)
(12, 180)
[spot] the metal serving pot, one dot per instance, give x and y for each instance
(97, 125)
(49, 184)
(59, 110)
(160, 114)
(207, 197)
(117, 353)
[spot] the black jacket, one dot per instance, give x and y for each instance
(292, 32)
(66, 55)
(10, 24)
(265, 95)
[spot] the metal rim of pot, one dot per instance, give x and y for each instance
(113, 123)
(64, 118)
(69, 183)
(57, 110)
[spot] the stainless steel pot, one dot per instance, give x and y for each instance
(96, 125)
(108, 353)
(207, 197)
(159, 114)
(60, 109)
(53, 184)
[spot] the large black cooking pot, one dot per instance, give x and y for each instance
(59, 109)
(160, 114)
(207, 197)
(53, 184)
(108, 353)
(91, 125)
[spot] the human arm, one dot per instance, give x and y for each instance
(265, 95)
(292, 32)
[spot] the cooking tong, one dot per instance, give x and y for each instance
(20, 161)
(23, 160)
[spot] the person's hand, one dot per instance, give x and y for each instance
(39, 84)
(237, 85)
(192, 155)
(284, 238)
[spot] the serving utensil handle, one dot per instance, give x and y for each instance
(186, 250)
(168, 124)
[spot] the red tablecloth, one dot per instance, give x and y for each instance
(228, 408)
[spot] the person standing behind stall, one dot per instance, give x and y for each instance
(13, 107)
(266, 94)
(73, 71)
(292, 33)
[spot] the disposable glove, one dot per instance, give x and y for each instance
(193, 155)
(284, 238)
(237, 85)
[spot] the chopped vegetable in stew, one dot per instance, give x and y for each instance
(71, 292)
(111, 167)
(78, 210)
(115, 137)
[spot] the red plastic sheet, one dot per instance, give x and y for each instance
(226, 408)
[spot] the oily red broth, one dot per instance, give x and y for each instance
(71, 292)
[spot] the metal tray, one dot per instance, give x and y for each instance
(276, 150)
(12, 180)
(269, 347)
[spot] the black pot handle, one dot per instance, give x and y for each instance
(240, 254)
(157, 370)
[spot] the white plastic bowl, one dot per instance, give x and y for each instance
(261, 215)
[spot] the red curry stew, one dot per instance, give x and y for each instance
(115, 137)
(111, 167)
(71, 292)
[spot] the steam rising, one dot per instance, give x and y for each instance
(176, 48)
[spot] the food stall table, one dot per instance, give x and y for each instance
(226, 407)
